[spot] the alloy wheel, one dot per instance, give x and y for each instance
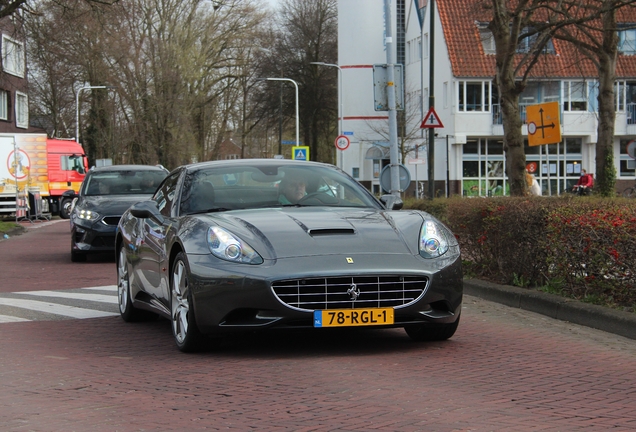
(180, 304)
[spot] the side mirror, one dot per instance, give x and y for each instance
(146, 210)
(392, 202)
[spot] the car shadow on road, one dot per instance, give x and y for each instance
(287, 343)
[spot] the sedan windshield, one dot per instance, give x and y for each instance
(257, 186)
(123, 182)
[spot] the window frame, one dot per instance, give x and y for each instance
(624, 42)
(568, 101)
(21, 117)
(485, 94)
(13, 61)
(4, 105)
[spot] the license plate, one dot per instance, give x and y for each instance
(353, 317)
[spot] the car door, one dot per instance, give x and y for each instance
(153, 253)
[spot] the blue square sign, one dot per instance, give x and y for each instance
(300, 153)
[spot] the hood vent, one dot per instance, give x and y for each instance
(330, 231)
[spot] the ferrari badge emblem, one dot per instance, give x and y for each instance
(349, 260)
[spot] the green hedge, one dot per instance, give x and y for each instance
(580, 247)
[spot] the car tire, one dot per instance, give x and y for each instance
(128, 312)
(431, 332)
(184, 327)
(65, 208)
(78, 256)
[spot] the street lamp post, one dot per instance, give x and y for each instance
(340, 109)
(77, 106)
(296, 86)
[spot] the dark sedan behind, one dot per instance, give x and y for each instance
(105, 195)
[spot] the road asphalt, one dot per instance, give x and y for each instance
(602, 318)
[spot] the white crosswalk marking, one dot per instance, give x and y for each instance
(53, 308)
(80, 296)
(102, 288)
(93, 302)
(7, 319)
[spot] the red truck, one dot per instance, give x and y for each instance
(52, 169)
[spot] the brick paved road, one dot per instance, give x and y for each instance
(505, 370)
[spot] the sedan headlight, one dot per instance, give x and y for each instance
(436, 240)
(87, 214)
(227, 247)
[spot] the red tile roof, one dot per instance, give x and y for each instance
(459, 21)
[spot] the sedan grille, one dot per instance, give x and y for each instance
(350, 292)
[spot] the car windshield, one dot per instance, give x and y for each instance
(258, 186)
(123, 182)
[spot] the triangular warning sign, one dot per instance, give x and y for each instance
(431, 120)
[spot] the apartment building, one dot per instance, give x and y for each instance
(14, 99)
(469, 149)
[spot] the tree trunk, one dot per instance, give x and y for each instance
(605, 170)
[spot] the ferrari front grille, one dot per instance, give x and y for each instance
(350, 292)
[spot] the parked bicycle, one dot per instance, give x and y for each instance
(630, 192)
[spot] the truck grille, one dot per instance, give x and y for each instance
(338, 292)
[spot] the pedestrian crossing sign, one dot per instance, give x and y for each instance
(300, 153)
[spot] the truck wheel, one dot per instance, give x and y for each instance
(65, 208)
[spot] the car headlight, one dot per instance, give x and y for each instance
(87, 214)
(227, 247)
(436, 240)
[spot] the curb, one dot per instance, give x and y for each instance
(594, 316)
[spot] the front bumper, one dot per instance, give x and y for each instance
(93, 236)
(234, 297)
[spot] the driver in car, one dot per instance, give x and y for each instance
(291, 190)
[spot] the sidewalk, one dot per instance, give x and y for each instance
(602, 318)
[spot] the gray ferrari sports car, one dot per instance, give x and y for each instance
(254, 244)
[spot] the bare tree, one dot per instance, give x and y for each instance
(598, 41)
(174, 65)
(539, 21)
(308, 33)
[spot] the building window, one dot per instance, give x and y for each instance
(526, 44)
(355, 172)
(574, 96)
(625, 99)
(13, 56)
(626, 163)
(445, 94)
(474, 96)
(487, 39)
(557, 167)
(4, 105)
(483, 168)
(425, 46)
(627, 41)
(529, 42)
(21, 110)
(400, 44)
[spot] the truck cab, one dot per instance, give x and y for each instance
(67, 167)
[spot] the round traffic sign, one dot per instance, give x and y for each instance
(385, 178)
(631, 149)
(342, 142)
(532, 128)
